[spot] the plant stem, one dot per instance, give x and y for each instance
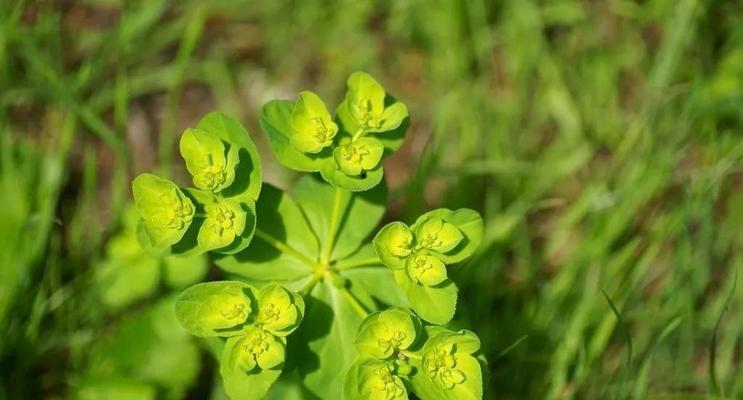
(366, 262)
(283, 247)
(307, 288)
(358, 134)
(333, 228)
(411, 355)
(357, 307)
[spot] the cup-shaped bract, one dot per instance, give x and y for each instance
(437, 235)
(366, 105)
(425, 268)
(452, 235)
(374, 380)
(209, 161)
(215, 308)
(384, 333)
(166, 212)
(394, 243)
(449, 364)
(355, 157)
(255, 348)
(279, 310)
(314, 128)
(243, 159)
(225, 221)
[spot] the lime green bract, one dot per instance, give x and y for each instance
(166, 212)
(313, 126)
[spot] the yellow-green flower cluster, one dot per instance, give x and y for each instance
(419, 249)
(256, 322)
(347, 147)
(382, 341)
(218, 213)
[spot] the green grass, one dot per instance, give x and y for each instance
(600, 140)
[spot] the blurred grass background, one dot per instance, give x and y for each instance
(601, 140)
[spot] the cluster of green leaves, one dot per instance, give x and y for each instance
(219, 214)
(397, 353)
(315, 242)
(255, 323)
(347, 148)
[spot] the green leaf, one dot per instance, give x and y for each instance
(313, 128)
(123, 281)
(166, 212)
(393, 244)
(128, 273)
(322, 349)
(242, 384)
(281, 226)
(150, 347)
(248, 174)
(180, 272)
(357, 213)
(207, 160)
(468, 222)
(113, 388)
(276, 121)
(435, 304)
(215, 308)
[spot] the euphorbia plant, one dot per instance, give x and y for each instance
(373, 322)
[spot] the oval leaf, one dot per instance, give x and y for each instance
(435, 304)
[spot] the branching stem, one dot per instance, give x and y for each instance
(307, 288)
(333, 227)
(411, 355)
(366, 262)
(283, 247)
(357, 307)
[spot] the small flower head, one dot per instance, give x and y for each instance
(219, 308)
(211, 168)
(314, 128)
(224, 309)
(384, 333)
(437, 235)
(225, 220)
(378, 381)
(425, 268)
(165, 210)
(257, 348)
(399, 240)
(366, 104)
(448, 360)
(355, 157)
(441, 366)
(279, 311)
